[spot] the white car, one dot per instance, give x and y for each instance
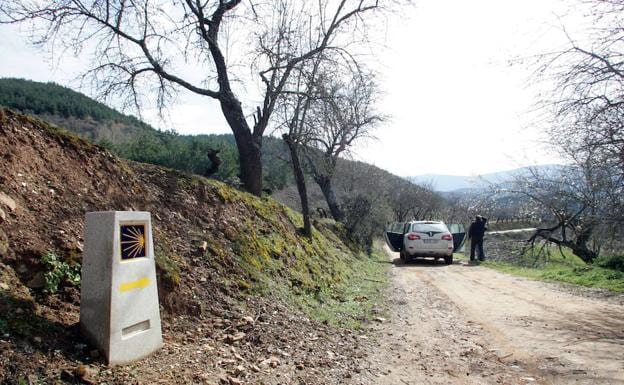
(424, 239)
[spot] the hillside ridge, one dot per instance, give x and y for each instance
(450, 183)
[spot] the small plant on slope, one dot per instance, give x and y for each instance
(58, 272)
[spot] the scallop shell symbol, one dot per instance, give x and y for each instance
(132, 241)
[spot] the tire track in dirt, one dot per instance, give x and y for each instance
(429, 341)
(464, 324)
(568, 338)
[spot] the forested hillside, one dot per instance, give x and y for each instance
(131, 138)
(70, 109)
(54, 99)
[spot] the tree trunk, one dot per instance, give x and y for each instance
(578, 246)
(215, 162)
(301, 185)
(249, 146)
(324, 183)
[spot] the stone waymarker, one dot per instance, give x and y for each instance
(119, 310)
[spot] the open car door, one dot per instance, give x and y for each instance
(459, 235)
(394, 236)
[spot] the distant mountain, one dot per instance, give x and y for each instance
(447, 183)
(441, 182)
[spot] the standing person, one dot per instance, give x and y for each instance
(476, 231)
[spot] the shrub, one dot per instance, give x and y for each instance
(59, 273)
(615, 262)
(363, 220)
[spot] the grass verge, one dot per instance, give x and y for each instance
(568, 268)
(320, 275)
(352, 301)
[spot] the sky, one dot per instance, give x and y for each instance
(455, 103)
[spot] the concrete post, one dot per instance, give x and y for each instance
(119, 310)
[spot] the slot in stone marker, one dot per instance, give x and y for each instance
(119, 310)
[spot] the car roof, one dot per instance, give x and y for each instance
(426, 222)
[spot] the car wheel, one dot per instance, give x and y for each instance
(448, 259)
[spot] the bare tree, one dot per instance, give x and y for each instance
(570, 199)
(429, 204)
(294, 108)
(138, 47)
(586, 105)
(363, 192)
(345, 112)
(371, 198)
(586, 125)
(301, 105)
(402, 199)
(412, 201)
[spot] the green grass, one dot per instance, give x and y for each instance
(568, 268)
(353, 300)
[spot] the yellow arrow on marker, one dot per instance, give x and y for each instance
(138, 284)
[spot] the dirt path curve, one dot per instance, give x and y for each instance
(464, 324)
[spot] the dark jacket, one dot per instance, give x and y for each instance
(477, 228)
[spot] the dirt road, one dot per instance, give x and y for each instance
(464, 324)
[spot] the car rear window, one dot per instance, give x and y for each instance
(427, 227)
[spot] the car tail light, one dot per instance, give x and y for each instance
(447, 237)
(413, 237)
